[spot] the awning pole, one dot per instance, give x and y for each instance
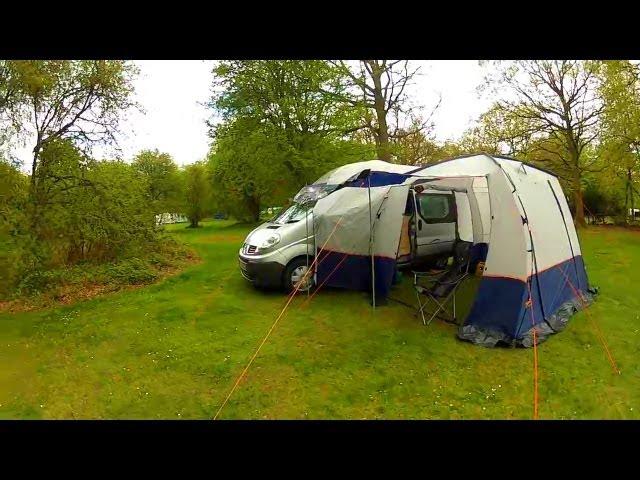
(373, 270)
(306, 224)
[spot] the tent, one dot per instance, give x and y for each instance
(515, 215)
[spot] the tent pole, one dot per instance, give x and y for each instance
(306, 224)
(373, 271)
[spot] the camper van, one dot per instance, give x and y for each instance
(278, 252)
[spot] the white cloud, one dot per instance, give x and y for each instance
(456, 81)
(171, 93)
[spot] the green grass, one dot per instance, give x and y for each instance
(174, 349)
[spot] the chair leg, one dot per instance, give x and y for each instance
(441, 307)
(455, 319)
(421, 308)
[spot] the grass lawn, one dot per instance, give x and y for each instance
(174, 349)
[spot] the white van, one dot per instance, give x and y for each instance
(278, 252)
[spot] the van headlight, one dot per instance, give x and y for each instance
(269, 242)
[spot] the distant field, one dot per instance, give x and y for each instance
(174, 349)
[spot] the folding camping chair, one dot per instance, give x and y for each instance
(440, 288)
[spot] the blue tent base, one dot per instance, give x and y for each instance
(555, 323)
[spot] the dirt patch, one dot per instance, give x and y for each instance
(72, 294)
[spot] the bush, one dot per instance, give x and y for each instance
(40, 281)
(14, 242)
(82, 222)
(133, 271)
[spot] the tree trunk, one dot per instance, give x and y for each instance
(194, 223)
(578, 197)
(630, 188)
(626, 202)
(254, 208)
(382, 138)
(579, 204)
(34, 164)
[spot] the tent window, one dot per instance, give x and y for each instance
(436, 208)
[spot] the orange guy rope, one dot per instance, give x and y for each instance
(344, 257)
(597, 329)
(264, 340)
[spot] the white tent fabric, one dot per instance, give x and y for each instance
(346, 172)
(515, 211)
(465, 223)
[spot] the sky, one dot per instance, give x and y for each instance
(171, 93)
(456, 81)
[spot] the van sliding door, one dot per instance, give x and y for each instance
(436, 223)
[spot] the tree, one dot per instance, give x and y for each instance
(498, 131)
(161, 172)
(247, 171)
(378, 88)
(80, 100)
(416, 149)
(288, 101)
(281, 128)
(559, 100)
(9, 91)
(197, 193)
(94, 212)
(13, 238)
(620, 136)
(90, 210)
(110, 218)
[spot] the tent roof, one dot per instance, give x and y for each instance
(493, 156)
(345, 172)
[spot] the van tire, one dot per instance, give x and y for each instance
(296, 268)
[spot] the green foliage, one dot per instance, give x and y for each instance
(291, 96)
(164, 187)
(620, 133)
(79, 100)
(197, 188)
(88, 210)
(282, 128)
(142, 270)
(134, 271)
(601, 200)
(415, 149)
(81, 212)
(14, 241)
(112, 218)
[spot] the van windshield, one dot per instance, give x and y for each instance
(293, 214)
(313, 193)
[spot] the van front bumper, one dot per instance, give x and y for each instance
(260, 273)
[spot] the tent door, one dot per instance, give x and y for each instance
(435, 223)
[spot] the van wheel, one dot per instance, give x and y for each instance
(294, 274)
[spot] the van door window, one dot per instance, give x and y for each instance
(436, 224)
(436, 208)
